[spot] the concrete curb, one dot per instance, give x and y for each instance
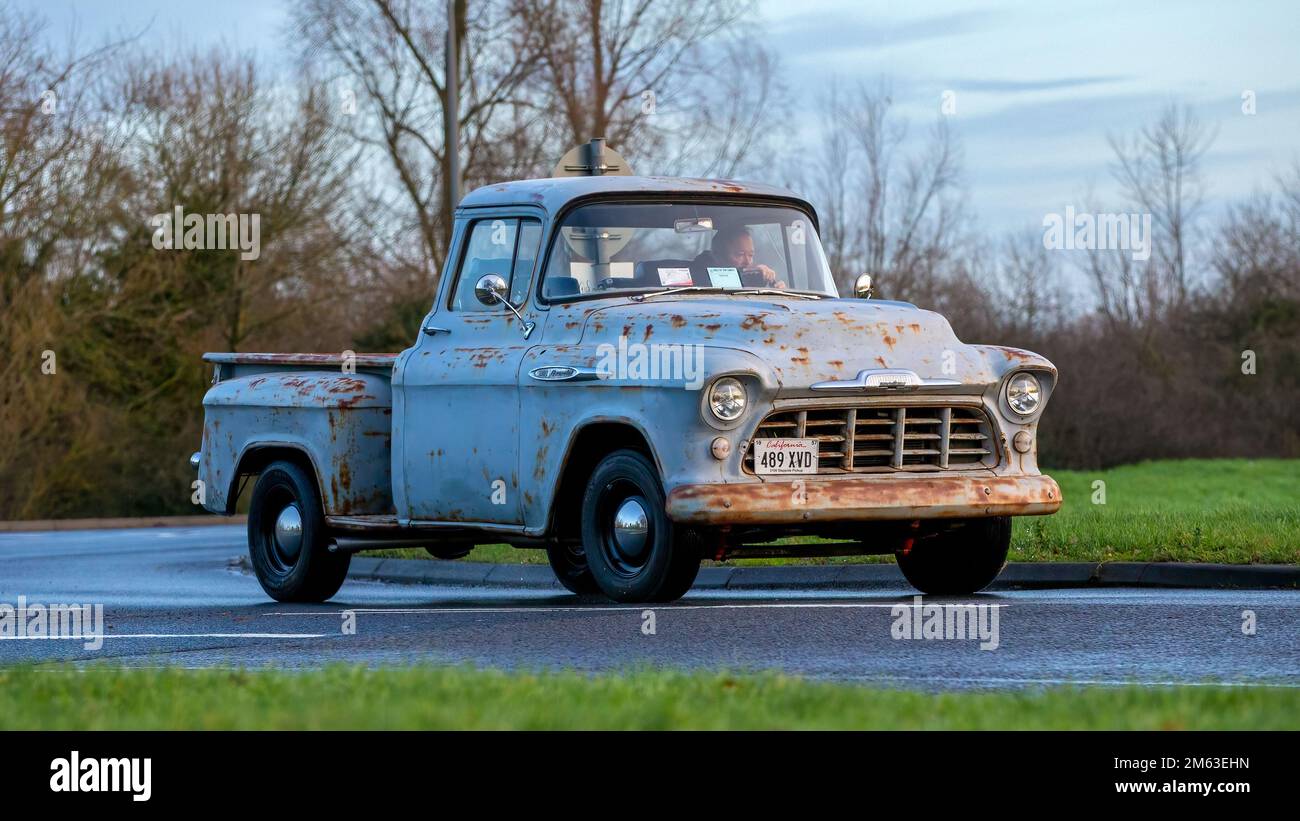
(1017, 575)
(38, 525)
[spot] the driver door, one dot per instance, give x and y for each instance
(461, 391)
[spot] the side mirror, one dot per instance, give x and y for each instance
(490, 289)
(863, 286)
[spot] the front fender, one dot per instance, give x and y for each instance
(668, 412)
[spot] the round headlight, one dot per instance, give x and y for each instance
(727, 399)
(1024, 394)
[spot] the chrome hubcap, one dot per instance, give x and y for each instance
(288, 533)
(631, 529)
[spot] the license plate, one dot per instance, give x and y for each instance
(785, 456)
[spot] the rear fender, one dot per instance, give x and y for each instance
(341, 423)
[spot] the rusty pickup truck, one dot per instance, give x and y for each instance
(636, 374)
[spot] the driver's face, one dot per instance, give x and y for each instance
(741, 252)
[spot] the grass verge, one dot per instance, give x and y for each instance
(351, 697)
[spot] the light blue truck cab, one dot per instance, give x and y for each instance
(636, 374)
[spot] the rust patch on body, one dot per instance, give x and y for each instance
(848, 321)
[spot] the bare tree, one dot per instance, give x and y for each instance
(389, 54)
(206, 135)
(56, 187)
(538, 76)
(729, 117)
(830, 171)
(1028, 286)
(633, 71)
(1158, 170)
(907, 203)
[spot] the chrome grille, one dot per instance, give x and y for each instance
(875, 439)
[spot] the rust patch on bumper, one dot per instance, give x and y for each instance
(865, 499)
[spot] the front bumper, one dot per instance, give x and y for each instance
(876, 498)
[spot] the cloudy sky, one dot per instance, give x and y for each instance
(1038, 85)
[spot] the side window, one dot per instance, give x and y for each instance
(505, 247)
(530, 240)
(490, 250)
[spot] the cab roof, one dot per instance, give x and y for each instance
(554, 193)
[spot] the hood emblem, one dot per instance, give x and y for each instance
(889, 379)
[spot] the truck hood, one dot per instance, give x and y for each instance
(802, 341)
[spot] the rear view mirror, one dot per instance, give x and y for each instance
(694, 225)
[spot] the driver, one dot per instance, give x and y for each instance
(733, 247)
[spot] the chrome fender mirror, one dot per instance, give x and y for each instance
(863, 286)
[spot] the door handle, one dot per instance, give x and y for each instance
(430, 330)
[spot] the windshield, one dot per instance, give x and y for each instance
(608, 248)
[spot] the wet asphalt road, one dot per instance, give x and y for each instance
(174, 597)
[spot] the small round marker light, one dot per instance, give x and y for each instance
(720, 448)
(1023, 441)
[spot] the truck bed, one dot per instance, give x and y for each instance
(304, 406)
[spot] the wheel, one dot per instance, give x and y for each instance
(286, 537)
(570, 565)
(964, 559)
(634, 551)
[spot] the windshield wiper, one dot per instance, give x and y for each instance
(774, 292)
(718, 290)
(682, 289)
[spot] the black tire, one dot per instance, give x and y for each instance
(312, 573)
(570, 565)
(689, 544)
(664, 561)
(959, 561)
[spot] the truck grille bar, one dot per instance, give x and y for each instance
(876, 439)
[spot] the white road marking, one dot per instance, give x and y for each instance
(621, 608)
(173, 636)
